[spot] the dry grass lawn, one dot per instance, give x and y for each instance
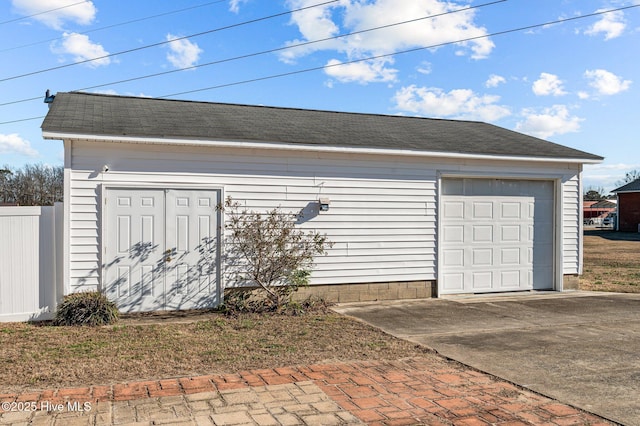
(34, 357)
(611, 261)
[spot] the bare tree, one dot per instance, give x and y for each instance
(33, 185)
(594, 194)
(629, 177)
(5, 175)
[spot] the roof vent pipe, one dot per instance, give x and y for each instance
(48, 97)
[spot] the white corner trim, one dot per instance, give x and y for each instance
(306, 147)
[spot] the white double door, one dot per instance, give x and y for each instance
(161, 248)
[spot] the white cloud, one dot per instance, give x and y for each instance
(583, 95)
(495, 80)
(354, 15)
(606, 175)
(234, 5)
(361, 72)
(183, 53)
(424, 68)
(623, 167)
(82, 49)
(606, 82)
(555, 120)
(548, 84)
(14, 144)
(82, 13)
(458, 103)
(116, 93)
(611, 24)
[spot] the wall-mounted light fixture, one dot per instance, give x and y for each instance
(324, 204)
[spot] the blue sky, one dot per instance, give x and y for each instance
(576, 83)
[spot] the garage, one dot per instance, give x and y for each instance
(497, 235)
(415, 207)
(161, 248)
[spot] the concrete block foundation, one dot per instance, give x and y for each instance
(369, 292)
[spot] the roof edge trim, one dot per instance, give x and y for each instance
(315, 148)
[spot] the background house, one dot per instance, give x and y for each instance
(629, 206)
(594, 212)
(418, 207)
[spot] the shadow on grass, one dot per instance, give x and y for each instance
(613, 235)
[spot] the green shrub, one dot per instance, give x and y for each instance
(90, 308)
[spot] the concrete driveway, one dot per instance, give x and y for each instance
(580, 348)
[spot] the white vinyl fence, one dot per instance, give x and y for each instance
(30, 262)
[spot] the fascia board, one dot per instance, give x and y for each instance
(315, 148)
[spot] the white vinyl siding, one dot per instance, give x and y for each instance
(571, 221)
(382, 217)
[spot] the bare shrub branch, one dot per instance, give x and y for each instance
(268, 251)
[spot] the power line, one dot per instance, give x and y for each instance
(21, 101)
(292, 46)
(42, 13)
(278, 49)
(22, 119)
(416, 49)
(290, 73)
(253, 21)
(133, 21)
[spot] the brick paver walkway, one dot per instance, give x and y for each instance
(408, 392)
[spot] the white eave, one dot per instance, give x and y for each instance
(303, 147)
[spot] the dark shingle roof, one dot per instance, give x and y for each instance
(106, 115)
(633, 186)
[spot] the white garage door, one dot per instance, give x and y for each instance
(497, 235)
(161, 249)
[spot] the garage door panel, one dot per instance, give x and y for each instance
(453, 282)
(510, 256)
(510, 234)
(482, 257)
(482, 280)
(505, 230)
(453, 234)
(510, 210)
(482, 210)
(511, 280)
(482, 233)
(454, 210)
(453, 257)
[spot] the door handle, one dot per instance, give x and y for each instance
(167, 253)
